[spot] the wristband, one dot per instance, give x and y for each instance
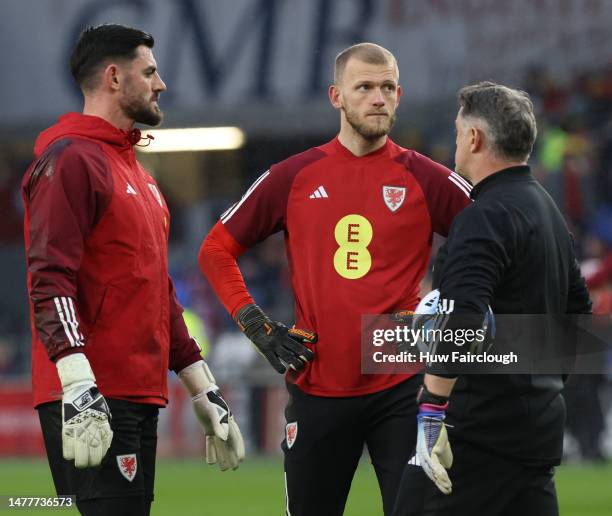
(426, 397)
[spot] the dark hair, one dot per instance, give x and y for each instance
(370, 53)
(508, 115)
(98, 44)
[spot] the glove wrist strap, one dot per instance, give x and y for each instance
(197, 378)
(424, 397)
(74, 369)
(250, 318)
(429, 410)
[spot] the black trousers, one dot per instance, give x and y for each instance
(123, 483)
(325, 439)
(483, 485)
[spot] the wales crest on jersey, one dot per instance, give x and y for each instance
(394, 196)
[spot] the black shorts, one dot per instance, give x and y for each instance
(483, 483)
(325, 438)
(123, 483)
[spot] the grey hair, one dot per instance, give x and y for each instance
(506, 117)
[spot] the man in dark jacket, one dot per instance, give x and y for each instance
(106, 323)
(511, 250)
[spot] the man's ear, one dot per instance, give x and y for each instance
(111, 76)
(334, 96)
(476, 138)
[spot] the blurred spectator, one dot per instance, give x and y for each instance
(600, 275)
(11, 221)
(7, 355)
(585, 416)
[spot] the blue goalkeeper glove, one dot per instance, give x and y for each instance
(433, 449)
(281, 346)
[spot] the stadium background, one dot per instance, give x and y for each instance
(263, 66)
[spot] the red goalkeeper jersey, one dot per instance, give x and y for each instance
(358, 234)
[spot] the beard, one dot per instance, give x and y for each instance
(370, 131)
(141, 111)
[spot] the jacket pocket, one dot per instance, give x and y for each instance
(91, 306)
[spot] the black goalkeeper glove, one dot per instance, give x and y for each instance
(281, 346)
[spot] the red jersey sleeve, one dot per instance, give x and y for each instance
(184, 350)
(217, 259)
(446, 192)
(260, 212)
(65, 192)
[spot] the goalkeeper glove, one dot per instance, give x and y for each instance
(281, 346)
(86, 431)
(224, 444)
(422, 320)
(433, 449)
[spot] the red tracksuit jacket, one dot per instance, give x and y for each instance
(96, 235)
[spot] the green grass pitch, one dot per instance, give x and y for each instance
(190, 487)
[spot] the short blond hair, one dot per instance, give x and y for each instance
(370, 53)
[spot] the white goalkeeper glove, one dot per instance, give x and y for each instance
(224, 443)
(86, 431)
(433, 449)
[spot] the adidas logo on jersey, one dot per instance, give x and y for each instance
(130, 189)
(319, 193)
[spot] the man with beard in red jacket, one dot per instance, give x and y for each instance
(106, 322)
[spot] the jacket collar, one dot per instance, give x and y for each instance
(78, 124)
(518, 173)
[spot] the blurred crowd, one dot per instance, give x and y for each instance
(573, 160)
